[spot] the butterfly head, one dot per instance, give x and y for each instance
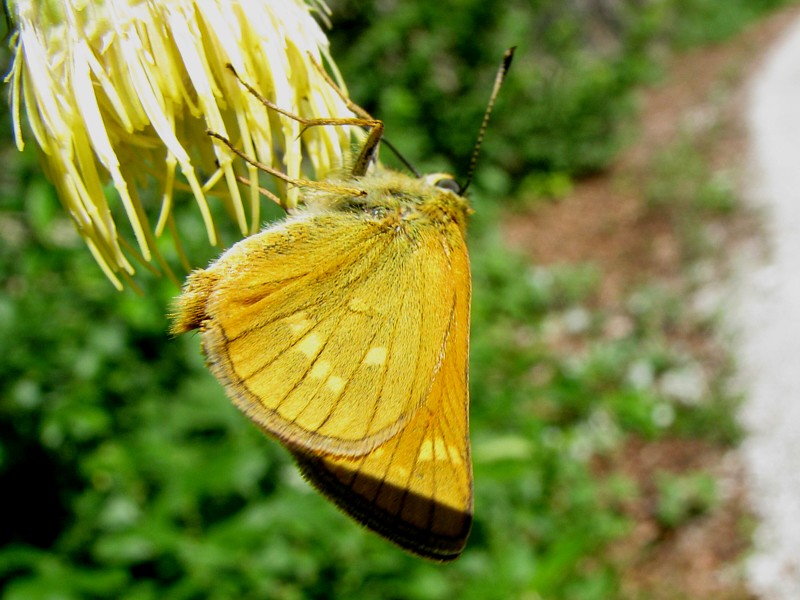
(444, 181)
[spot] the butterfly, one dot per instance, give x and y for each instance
(342, 331)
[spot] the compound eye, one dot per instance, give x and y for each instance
(447, 183)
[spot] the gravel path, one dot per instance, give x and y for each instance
(768, 311)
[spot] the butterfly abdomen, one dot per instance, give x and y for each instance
(190, 309)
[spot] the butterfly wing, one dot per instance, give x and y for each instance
(327, 330)
(416, 489)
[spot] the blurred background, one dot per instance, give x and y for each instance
(602, 413)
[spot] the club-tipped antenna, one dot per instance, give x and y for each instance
(498, 81)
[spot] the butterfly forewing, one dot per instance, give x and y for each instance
(311, 354)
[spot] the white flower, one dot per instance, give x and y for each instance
(121, 92)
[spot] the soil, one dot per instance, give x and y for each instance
(608, 221)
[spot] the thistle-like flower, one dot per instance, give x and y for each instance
(120, 94)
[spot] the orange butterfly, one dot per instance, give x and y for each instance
(343, 331)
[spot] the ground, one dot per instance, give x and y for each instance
(608, 221)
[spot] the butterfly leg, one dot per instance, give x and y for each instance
(320, 185)
(351, 106)
(370, 147)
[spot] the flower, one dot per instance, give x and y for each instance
(119, 95)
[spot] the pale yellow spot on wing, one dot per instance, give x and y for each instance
(433, 449)
(310, 344)
(402, 472)
(375, 356)
(455, 456)
(335, 384)
(320, 370)
(440, 450)
(425, 451)
(358, 305)
(298, 323)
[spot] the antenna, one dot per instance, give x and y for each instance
(498, 81)
(401, 158)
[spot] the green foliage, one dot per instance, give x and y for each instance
(682, 497)
(546, 185)
(700, 21)
(426, 69)
(683, 186)
(127, 474)
(135, 477)
(683, 182)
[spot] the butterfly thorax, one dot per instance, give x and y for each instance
(393, 197)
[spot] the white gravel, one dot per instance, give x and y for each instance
(768, 318)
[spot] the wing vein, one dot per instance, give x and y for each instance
(300, 282)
